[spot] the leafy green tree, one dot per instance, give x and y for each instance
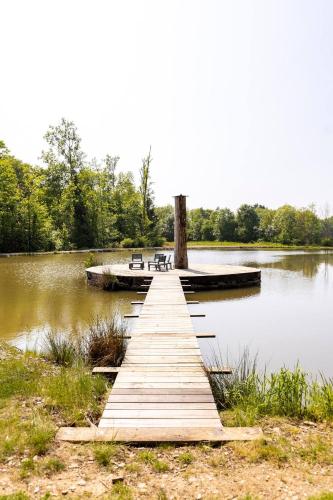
(149, 223)
(166, 220)
(64, 149)
(65, 160)
(24, 221)
(284, 223)
(308, 226)
(9, 202)
(146, 192)
(126, 205)
(247, 223)
(266, 230)
(225, 225)
(4, 151)
(207, 229)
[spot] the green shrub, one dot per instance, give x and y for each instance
(141, 242)
(121, 491)
(287, 393)
(146, 456)
(104, 452)
(61, 349)
(27, 467)
(91, 260)
(327, 242)
(127, 243)
(157, 241)
(321, 400)
(52, 465)
(160, 466)
(186, 458)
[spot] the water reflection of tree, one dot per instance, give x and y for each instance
(308, 263)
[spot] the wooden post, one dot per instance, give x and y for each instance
(181, 261)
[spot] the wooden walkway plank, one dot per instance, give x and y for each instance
(162, 367)
(161, 392)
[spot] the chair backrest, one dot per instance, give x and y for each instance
(162, 258)
(137, 256)
(158, 256)
(169, 258)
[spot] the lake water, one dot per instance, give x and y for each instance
(288, 319)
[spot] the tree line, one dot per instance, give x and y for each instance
(72, 203)
(253, 223)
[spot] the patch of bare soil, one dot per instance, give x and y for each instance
(294, 462)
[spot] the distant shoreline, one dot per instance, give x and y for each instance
(192, 245)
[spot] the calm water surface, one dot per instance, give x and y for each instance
(288, 319)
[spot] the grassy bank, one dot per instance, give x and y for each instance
(247, 395)
(236, 245)
(227, 245)
(39, 395)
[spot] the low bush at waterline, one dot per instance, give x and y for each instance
(289, 393)
(102, 344)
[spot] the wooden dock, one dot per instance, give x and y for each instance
(161, 392)
(199, 276)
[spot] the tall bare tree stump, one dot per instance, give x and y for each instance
(181, 261)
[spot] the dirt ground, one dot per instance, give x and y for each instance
(295, 461)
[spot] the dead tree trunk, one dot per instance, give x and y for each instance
(181, 261)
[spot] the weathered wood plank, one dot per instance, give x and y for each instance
(160, 398)
(82, 434)
(161, 359)
(164, 392)
(160, 369)
(160, 406)
(156, 377)
(106, 369)
(160, 413)
(159, 422)
(160, 385)
(166, 351)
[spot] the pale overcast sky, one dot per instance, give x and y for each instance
(235, 97)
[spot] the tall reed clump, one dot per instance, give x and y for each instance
(108, 281)
(61, 349)
(290, 393)
(102, 344)
(239, 385)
